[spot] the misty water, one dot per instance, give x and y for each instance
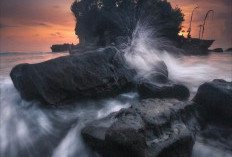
(29, 130)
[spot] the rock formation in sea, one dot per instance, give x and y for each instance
(217, 50)
(214, 101)
(101, 22)
(168, 90)
(228, 50)
(214, 107)
(151, 128)
(99, 73)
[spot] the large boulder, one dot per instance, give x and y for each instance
(169, 90)
(151, 128)
(99, 73)
(156, 84)
(214, 101)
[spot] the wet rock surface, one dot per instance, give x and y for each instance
(217, 136)
(228, 50)
(158, 85)
(150, 128)
(100, 73)
(169, 90)
(214, 101)
(214, 105)
(216, 50)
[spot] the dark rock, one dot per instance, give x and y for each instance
(93, 74)
(216, 136)
(228, 50)
(152, 128)
(157, 85)
(169, 90)
(61, 48)
(218, 50)
(215, 101)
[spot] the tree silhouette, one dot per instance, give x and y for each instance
(101, 21)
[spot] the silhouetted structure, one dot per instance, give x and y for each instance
(99, 22)
(62, 47)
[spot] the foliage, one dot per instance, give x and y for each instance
(102, 21)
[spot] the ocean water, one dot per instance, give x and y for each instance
(28, 130)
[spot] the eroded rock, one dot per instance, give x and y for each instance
(99, 73)
(169, 90)
(214, 101)
(152, 128)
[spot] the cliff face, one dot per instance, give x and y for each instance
(100, 22)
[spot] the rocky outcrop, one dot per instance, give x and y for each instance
(99, 73)
(214, 101)
(151, 128)
(158, 85)
(218, 50)
(169, 90)
(228, 50)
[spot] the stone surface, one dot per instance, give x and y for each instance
(151, 128)
(228, 50)
(100, 73)
(215, 101)
(168, 90)
(218, 50)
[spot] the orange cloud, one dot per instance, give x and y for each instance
(29, 25)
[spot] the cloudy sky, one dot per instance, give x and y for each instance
(34, 25)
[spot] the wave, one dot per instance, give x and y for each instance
(26, 126)
(145, 51)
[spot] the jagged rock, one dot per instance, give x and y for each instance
(215, 101)
(151, 128)
(99, 73)
(168, 90)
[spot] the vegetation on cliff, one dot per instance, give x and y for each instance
(101, 21)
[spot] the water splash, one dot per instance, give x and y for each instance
(146, 50)
(27, 129)
(202, 150)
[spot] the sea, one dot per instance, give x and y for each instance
(29, 130)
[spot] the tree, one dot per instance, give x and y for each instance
(101, 21)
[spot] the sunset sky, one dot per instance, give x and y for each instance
(34, 25)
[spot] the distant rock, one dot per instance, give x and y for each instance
(217, 50)
(61, 48)
(215, 101)
(228, 50)
(151, 128)
(100, 73)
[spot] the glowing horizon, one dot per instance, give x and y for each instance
(29, 25)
